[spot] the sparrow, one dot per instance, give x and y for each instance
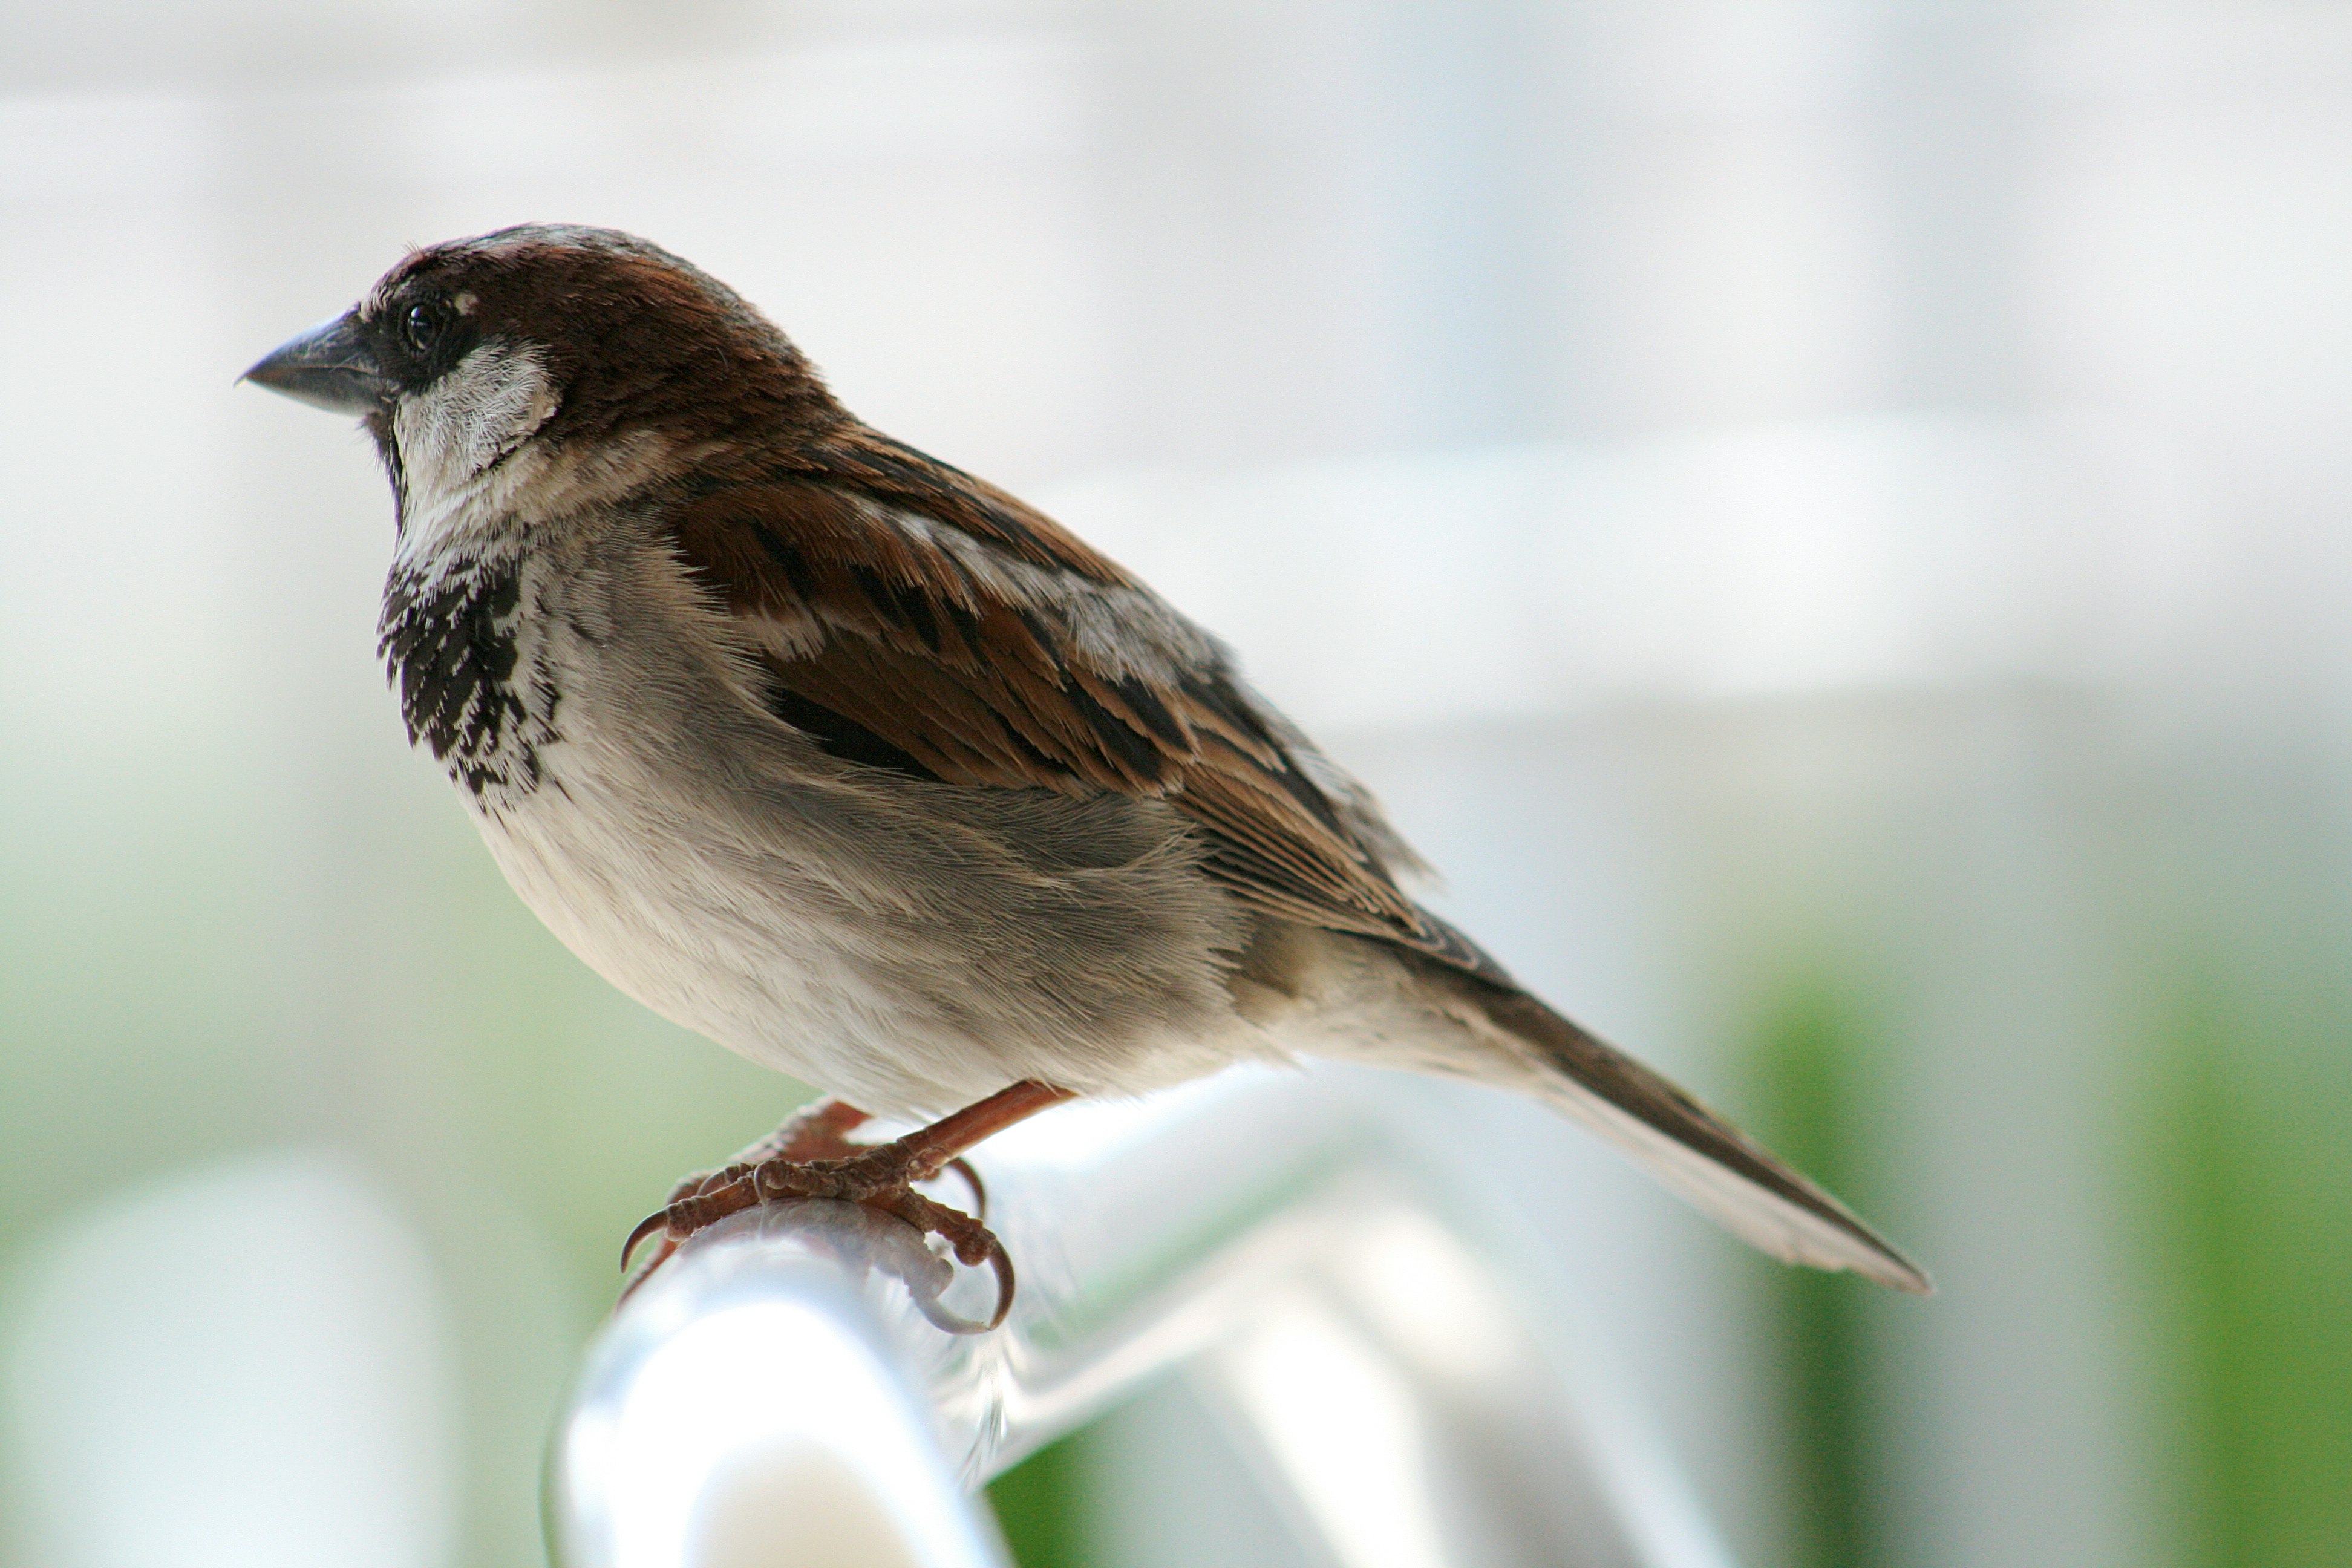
(866, 770)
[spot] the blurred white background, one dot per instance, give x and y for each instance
(1826, 520)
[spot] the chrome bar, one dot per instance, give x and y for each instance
(1389, 1345)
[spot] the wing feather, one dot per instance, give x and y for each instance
(970, 634)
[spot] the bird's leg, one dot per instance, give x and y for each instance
(808, 1157)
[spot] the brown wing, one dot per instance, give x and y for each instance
(920, 618)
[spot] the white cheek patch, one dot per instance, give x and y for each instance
(483, 408)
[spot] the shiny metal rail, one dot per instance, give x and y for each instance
(1381, 1336)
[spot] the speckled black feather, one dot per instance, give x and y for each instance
(449, 647)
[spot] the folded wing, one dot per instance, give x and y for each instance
(897, 599)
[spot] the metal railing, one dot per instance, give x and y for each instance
(1385, 1340)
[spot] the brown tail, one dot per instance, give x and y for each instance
(1689, 1149)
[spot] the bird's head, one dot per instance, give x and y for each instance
(546, 338)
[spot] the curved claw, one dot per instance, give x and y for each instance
(972, 1243)
(660, 1254)
(657, 1220)
(1002, 1261)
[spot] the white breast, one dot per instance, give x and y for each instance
(648, 899)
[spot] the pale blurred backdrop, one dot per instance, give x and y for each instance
(1827, 520)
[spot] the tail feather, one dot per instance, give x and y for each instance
(1689, 1149)
(1327, 994)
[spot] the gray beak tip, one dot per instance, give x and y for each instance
(330, 367)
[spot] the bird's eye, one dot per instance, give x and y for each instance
(423, 325)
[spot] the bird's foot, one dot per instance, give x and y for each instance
(809, 1157)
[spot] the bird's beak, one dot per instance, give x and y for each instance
(328, 367)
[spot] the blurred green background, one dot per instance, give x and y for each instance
(1826, 521)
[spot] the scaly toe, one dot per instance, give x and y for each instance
(879, 1178)
(706, 1200)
